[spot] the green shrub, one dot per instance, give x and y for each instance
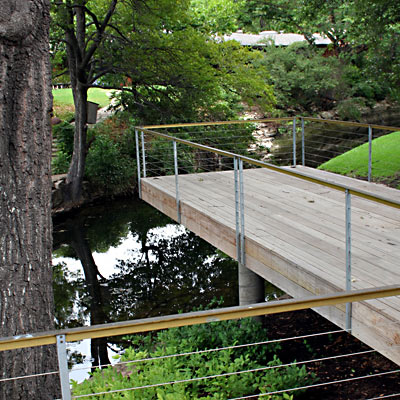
(60, 163)
(107, 166)
(64, 135)
(189, 339)
(350, 109)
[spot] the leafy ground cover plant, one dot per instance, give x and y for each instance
(173, 369)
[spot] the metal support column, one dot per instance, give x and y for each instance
(178, 205)
(348, 258)
(251, 285)
(138, 163)
(294, 142)
(369, 154)
(237, 212)
(241, 203)
(303, 151)
(143, 156)
(63, 367)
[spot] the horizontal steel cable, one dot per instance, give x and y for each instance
(28, 376)
(388, 396)
(312, 335)
(317, 385)
(226, 374)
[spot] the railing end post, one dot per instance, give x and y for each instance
(63, 367)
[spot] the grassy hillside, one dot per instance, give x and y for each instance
(385, 160)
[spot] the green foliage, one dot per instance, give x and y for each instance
(64, 135)
(350, 109)
(215, 16)
(385, 159)
(364, 35)
(302, 77)
(107, 166)
(192, 78)
(60, 164)
(306, 81)
(67, 287)
(189, 339)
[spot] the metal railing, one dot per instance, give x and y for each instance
(236, 162)
(61, 337)
(321, 140)
(227, 160)
(301, 140)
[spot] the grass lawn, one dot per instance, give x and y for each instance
(64, 96)
(63, 103)
(385, 159)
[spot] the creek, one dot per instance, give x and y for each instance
(124, 260)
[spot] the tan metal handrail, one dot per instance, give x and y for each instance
(349, 123)
(217, 123)
(264, 120)
(192, 318)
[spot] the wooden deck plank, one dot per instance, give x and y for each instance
(295, 238)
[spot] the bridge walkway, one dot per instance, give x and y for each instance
(295, 238)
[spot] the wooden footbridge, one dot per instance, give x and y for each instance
(307, 231)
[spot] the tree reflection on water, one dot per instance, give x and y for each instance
(167, 270)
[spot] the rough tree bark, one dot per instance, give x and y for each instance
(26, 296)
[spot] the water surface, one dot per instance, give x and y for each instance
(124, 260)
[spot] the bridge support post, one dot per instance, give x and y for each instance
(251, 285)
(178, 203)
(143, 155)
(303, 147)
(294, 143)
(348, 258)
(63, 367)
(369, 154)
(138, 167)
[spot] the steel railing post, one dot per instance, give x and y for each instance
(369, 153)
(138, 163)
(237, 212)
(178, 206)
(303, 151)
(294, 142)
(143, 156)
(241, 202)
(63, 367)
(348, 258)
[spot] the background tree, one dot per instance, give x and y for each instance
(83, 31)
(164, 67)
(26, 297)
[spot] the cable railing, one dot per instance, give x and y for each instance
(114, 387)
(195, 157)
(299, 141)
(162, 154)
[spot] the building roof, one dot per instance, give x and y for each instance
(277, 38)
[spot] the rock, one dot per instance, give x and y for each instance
(55, 121)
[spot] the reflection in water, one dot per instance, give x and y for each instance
(135, 263)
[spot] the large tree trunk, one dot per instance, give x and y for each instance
(26, 295)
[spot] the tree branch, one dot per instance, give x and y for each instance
(99, 34)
